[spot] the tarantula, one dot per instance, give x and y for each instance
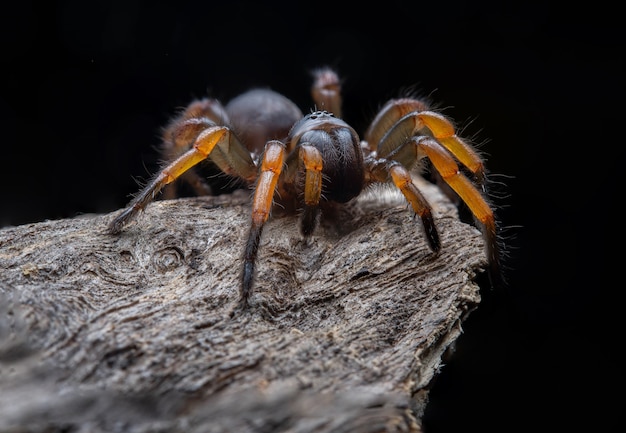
(262, 139)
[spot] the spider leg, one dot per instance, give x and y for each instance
(195, 182)
(271, 167)
(381, 170)
(202, 148)
(177, 139)
(311, 158)
(388, 115)
(402, 118)
(443, 131)
(447, 167)
(180, 134)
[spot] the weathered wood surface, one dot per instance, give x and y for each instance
(140, 332)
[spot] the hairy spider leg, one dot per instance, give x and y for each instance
(271, 167)
(178, 138)
(388, 115)
(403, 118)
(326, 91)
(311, 160)
(396, 122)
(448, 169)
(175, 143)
(383, 170)
(204, 145)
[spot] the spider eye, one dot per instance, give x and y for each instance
(320, 114)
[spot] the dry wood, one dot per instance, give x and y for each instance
(140, 332)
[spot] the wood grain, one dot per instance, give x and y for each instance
(141, 332)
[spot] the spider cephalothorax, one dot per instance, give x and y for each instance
(262, 139)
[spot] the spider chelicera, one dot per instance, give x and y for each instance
(262, 139)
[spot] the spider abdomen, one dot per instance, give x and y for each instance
(260, 115)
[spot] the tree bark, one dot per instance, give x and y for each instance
(141, 332)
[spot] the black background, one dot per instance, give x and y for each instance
(86, 87)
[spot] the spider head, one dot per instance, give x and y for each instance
(316, 120)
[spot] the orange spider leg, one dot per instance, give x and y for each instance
(180, 134)
(447, 167)
(381, 170)
(271, 167)
(402, 179)
(402, 118)
(326, 91)
(234, 159)
(311, 158)
(203, 146)
(195, 181)
(229, 154)
(391, 112)
(444, 132)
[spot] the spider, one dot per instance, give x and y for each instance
(263, 140)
